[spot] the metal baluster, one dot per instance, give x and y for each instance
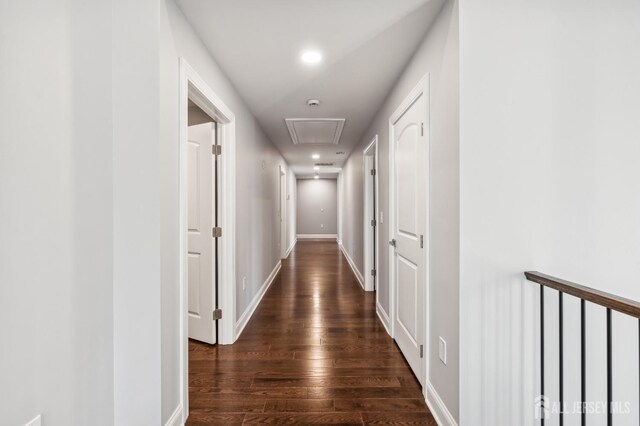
(609, 371)
(561, 341)
(583, 363)
(542, 350)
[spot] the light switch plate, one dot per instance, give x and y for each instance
(244, 283)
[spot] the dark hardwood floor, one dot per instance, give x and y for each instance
(314, 353)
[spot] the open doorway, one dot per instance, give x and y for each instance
(207, 220)
(370, 158)
(283, 196)
(202, 225)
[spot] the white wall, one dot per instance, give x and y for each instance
(137, 179)
(56, 310)
(550, 177)
(257, 181)
(437, 55)
(317, 207)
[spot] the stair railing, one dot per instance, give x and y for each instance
(586, 294)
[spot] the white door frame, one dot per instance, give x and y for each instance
(282, 182)
(194, 88)
(370, 151)
(422, 88)
(340, 183)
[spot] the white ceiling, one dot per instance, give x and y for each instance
(365, 46)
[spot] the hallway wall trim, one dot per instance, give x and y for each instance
(437, 407)
(357, 273)
(328, 236)
(248, 313)
(290, 249)
(176, 417)
(384, 318)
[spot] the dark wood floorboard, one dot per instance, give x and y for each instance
(313, 353)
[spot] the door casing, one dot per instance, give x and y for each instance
(370, 160)
(422, 88)
(193, 87)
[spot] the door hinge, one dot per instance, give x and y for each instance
(217, 314)
(421, 241)
(421, 129)
(373, 172)
(373, 222)
(217, 232)
(421, 351)
(216, 149)
(373, 272)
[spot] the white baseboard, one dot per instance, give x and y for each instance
(314, 236)
(246, 316)
(384, 318)
(176, 417)
(357, 273)
(293, 244)
(439, 411)
(37, 421)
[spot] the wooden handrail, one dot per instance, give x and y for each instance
(608, 300)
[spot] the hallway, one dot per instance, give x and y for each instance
(313, 353)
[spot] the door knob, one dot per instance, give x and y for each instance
(392, 242)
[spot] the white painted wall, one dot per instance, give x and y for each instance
(437, 55)
(56, 221)
(317, 206)
(257, 182)
(137, 186)
(550, 177)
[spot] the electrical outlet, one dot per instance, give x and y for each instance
(322, 225)
(244, 283)
(442, 350)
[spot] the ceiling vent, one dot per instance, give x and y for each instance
(315, 131)
(324, 164)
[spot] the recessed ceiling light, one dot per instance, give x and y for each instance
(315, 156)
(311, 57)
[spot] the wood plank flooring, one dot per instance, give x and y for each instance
(314, 353)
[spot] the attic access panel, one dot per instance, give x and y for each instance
(315, 131)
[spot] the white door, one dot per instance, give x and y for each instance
(408, 230)
(201, 256)
(283, 214)
(370, 222)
